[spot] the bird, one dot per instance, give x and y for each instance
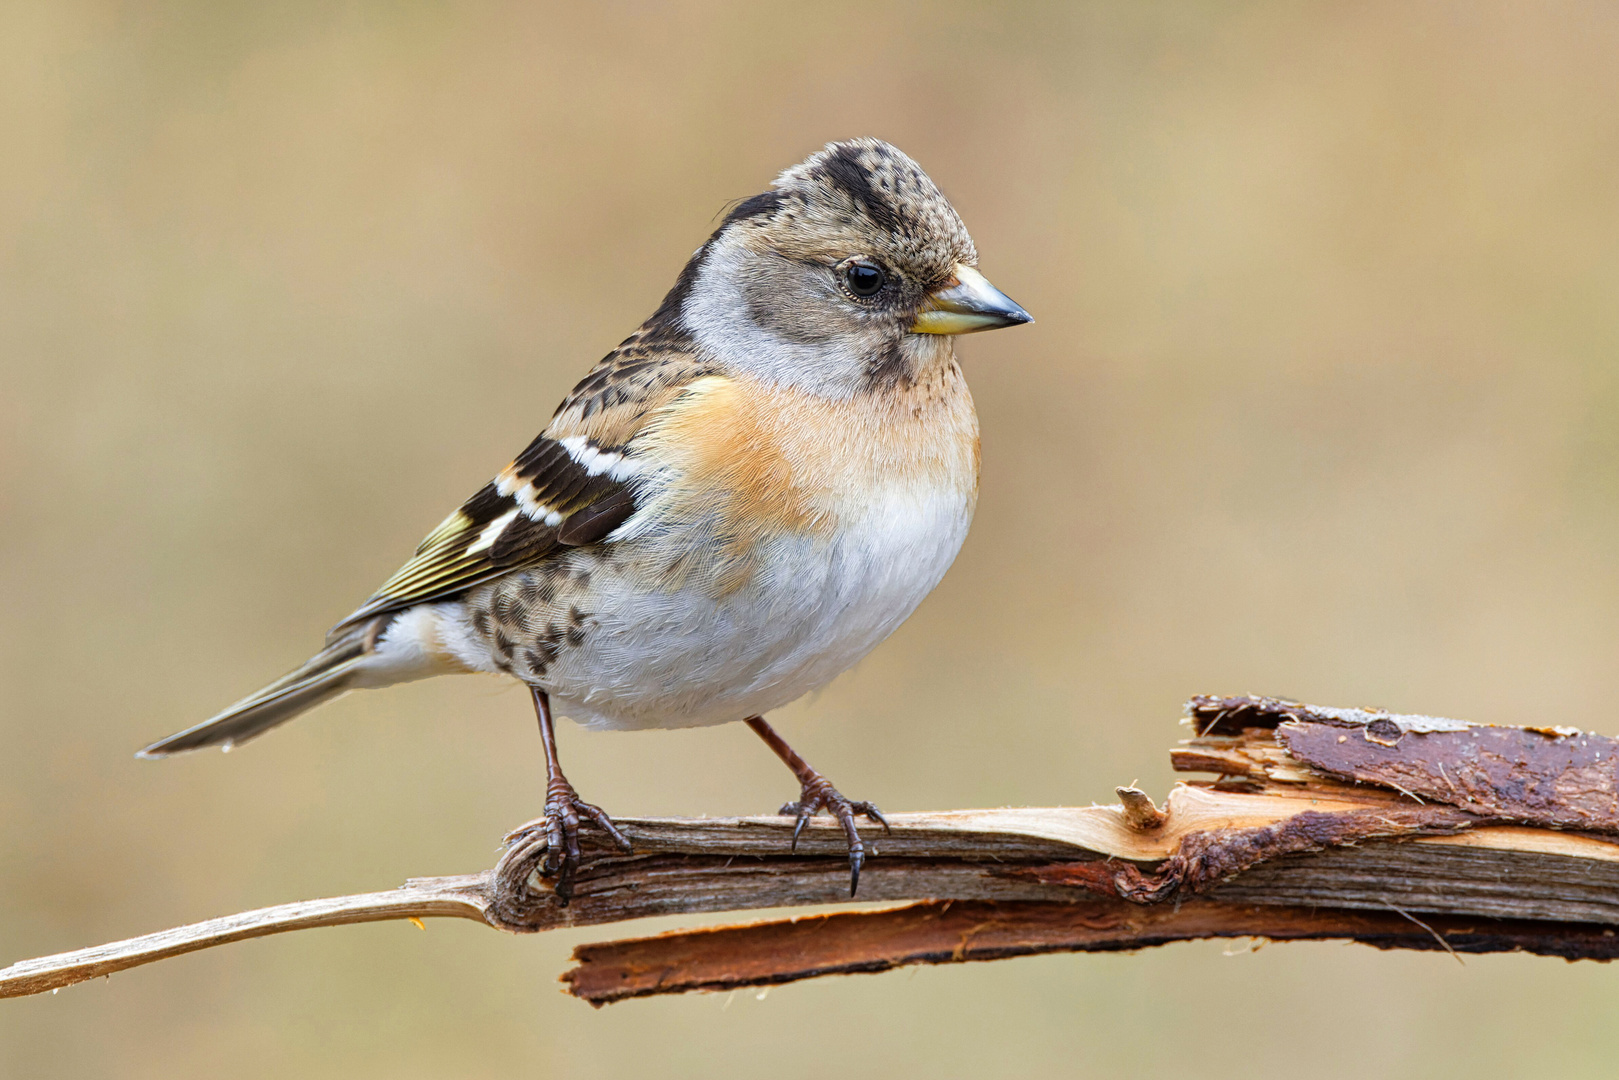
(735, 505)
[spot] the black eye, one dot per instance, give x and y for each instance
(865, 279)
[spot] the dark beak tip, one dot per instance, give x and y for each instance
(1012, 311)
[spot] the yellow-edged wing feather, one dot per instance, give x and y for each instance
(572, 486)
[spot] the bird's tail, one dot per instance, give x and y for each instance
(330, 673)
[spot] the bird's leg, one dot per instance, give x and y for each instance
(817, 793)
(563, 808)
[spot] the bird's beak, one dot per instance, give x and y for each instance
(966, 305)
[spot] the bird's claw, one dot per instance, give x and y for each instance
(819, 794)
(550, 845)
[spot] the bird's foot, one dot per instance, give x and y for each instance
(819, 794)
(550, 844)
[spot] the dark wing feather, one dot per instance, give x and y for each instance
(494, 532)
(597, 520)
(605, 411)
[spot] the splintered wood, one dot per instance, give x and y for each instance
(944, 932)
(1396, 831)
(1407, 832)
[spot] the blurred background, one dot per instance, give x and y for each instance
(1321, 402)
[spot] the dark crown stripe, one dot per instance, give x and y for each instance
(843, 170)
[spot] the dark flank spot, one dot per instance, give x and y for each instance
(843, 170)
(503, 648)
(536, 663)
(480, 622)
(528, 589)
(538, 589)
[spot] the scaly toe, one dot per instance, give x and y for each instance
(870, 812)
(598, 817)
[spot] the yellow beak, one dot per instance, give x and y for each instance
(967, 305)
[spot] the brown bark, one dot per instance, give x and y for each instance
(1398, 831)
(942, 932)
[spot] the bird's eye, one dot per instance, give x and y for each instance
(864, 279)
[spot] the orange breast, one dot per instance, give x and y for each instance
(766, 460)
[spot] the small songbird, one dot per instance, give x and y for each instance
(735, 505)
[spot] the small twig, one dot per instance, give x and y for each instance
(457, 897)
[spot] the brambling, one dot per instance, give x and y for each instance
(735, 505)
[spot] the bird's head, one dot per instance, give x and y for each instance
(851, 273)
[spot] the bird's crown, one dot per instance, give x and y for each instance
(863, 187)
(847, 274)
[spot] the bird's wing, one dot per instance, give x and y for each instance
(574, 484)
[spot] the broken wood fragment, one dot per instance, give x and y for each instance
(944, 932)
(1508, 774)
(1401, 831)
(1139, 812)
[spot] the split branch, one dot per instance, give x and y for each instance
(1397, 831)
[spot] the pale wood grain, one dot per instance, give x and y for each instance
(688, 866)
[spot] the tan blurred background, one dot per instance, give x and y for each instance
(1321, 401)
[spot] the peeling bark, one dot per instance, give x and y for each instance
(1399, 831)
(944, 932)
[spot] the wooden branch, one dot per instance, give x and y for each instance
(461, 897)
(1322, 824)
(944, 932)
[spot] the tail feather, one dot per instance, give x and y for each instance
(327, 675)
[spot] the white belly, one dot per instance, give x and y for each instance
(812, 609)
